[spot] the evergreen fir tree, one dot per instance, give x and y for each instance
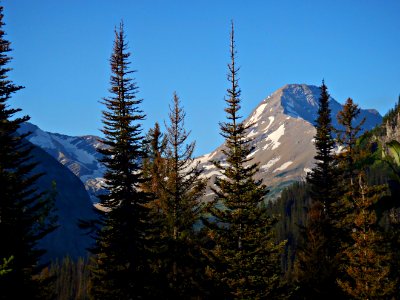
(347, 138)
(292, 206)
(245, 258)
(154, 164)
(120, 263)
(349, 159)
(24, 212)
(368, 267)
(155, 172)
(313, 263)
(181, 209)
(324, 194)
(322, 177)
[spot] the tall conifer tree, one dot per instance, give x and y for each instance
(24, 211)
(347, 138)
(120, 263)
(313, 268)
(181, 208)
(317, 279)
(349, 159)
(244, 259)
(155, 170)
(322, 177)
(368, 267)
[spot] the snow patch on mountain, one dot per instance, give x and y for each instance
(283, 167)
(274, 138)
(252, 133)
(253, 153)
(257, 113)
(269, 164)
(271, 120)
(71, 145)
(209, 167)
(213, 173)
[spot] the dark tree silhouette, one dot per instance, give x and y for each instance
(120, 260)
(245, 258)
(25, 214)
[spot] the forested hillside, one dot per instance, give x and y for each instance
(377, 159)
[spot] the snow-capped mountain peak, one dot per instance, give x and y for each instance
(282, 132)
(79, 154)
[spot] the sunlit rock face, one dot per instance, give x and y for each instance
(282, 133)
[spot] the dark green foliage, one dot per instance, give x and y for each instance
(389, 168)
(155, 172)
(322, 178)
(181, 189)
(23, 211)
(245, 257)
(314, 268)
(349, 165)
(154, 164)
(390, 118)
(292, 207)
(120, 262)
(347, 138)
(391, 115)
(319, 239)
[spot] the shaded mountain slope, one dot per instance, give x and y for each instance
(72, 204)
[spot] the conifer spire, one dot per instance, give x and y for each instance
(317, 279)
(120, 253)
(245, 257)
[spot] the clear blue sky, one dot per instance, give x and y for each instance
(62, 49)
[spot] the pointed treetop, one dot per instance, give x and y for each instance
(232, 48)
(232, 37)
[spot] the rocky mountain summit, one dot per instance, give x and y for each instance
(282, 132)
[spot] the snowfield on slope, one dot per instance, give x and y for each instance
(274, 138)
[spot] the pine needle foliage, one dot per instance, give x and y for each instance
(313, 269)
(317, 279)
(245, 258)
(368, 266)
(322, 177)
(154, 164)
(25, 213)
(347, 138)
(181, 209)
(120, 262)
(183, 185)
